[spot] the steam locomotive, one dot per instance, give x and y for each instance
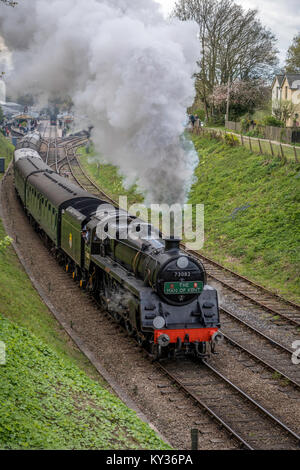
(159, 292)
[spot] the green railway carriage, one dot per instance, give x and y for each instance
(23, 168)
(51, 196)
(46, 196)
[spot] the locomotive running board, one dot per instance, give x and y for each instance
(135, 286)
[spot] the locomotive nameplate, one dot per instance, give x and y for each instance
(186, 288)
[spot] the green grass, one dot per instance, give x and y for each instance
(260, 241)
(20, 302)
(264, 147)
(6, 151)
(48, 403)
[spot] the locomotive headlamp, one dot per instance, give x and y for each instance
(182, 262)
(159, 323)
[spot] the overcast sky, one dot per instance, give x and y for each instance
(282, 17)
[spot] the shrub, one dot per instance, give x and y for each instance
(272, 121)
(231, 140)
(216, 121)
(246, 123)
(255, 133)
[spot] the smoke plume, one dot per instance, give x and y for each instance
(126, 68)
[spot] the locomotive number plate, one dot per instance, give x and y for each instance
(177, 288)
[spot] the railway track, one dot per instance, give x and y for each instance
(277, 306)
(81, 178)
(52, 154)
(243, 418)
(260, 347)
(252, 425)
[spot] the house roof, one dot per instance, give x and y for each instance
(279, 78)
(292, 78)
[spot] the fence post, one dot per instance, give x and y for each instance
(295, 152)
(250, 145)
(194, 435)
(260, 149)
(271, 148)
(282, 153)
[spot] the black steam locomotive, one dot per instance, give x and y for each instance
(156, 290)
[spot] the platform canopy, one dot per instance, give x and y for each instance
(23, 117)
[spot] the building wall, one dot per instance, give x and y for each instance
(288, 94)
(276, 91)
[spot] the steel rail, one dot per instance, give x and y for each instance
(218, 418)
(255, 356)
(272, 417)
(252, 299)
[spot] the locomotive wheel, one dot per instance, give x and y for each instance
(156, 351)
(140, 339)
(117, 317)
(200, 348)
(91, 283)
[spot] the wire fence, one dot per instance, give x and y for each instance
(283, 151)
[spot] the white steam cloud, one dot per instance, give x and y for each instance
(126, 68)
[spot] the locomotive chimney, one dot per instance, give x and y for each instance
(172, 244)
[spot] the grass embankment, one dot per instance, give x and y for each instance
(251, 211)
(51, 397)
(6, 151)
(49, 403)
(107, 177)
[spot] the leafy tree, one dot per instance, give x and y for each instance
(1, 115)
(293, 56)
(244, 97)
(283, 109)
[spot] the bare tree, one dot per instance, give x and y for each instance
(234, 45)
(10, 3)
(293, 56)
